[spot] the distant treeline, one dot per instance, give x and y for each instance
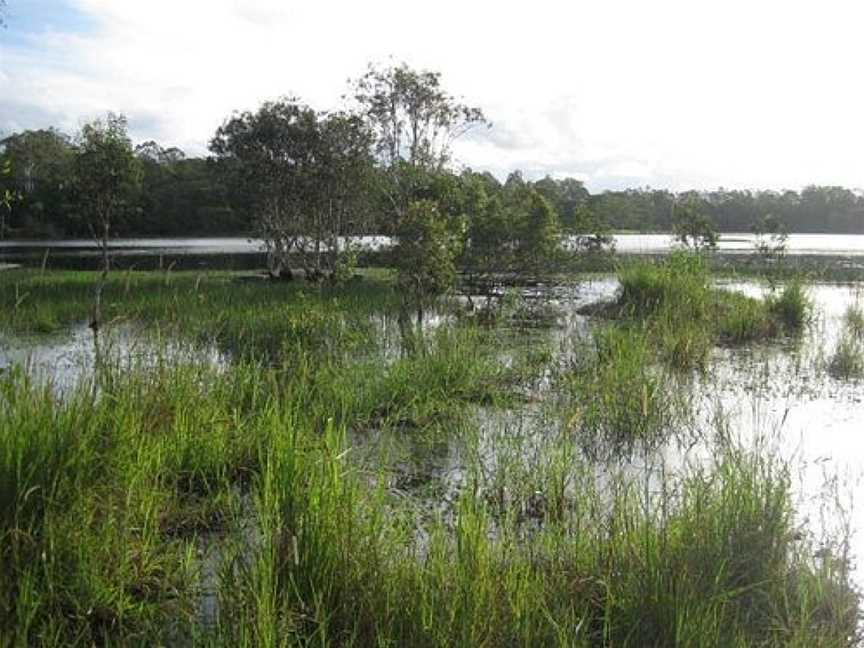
(186, 196)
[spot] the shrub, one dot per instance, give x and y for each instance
(793, 307)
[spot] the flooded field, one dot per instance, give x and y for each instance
(489, 405)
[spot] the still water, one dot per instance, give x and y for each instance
(248, 252)
(778, 396)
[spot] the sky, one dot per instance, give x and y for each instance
(672, 94)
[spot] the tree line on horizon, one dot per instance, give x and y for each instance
(227, 193)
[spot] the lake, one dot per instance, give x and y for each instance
(244, 253)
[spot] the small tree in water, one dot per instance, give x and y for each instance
(306, 174)
(425, 257)
(538, 234)
(107, 178)
(771, 238)
(770, 244)
(693, 228)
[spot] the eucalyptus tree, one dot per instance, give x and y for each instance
(107, 178)
(415, 122)
(305, 174)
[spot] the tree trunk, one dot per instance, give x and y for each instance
(96, 318)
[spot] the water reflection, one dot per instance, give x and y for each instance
(66, 359)
(778, 397)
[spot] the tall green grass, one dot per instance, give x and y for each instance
(847, 360)
(711, 560)
(793, 308)
(111, 490)
(619, 396)
(688, 316)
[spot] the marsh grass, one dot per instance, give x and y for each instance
(242, 314)
(619, 396)
(713, 558)
(688, 316)
(847, 360)
(853, 319)
(109, 490)
(792, 308)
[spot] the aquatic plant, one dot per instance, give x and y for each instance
(847, 361)
(793, 308)
(245, 502)
(853, 319)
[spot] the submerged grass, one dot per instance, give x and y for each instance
(617, 396)
(712, 561)
(241, 313)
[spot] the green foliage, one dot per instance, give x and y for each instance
(814, 209)
(682, 279)
(618, 398)
(771, 238)
(193, 196)
(687, 316)
(853, 319)
(37, 166)
(847, 361)
(107, 174)
(793, 308)
(7, 198)
(569, 199)
(591, 234)
(415, 120)
(517, 232)
(692, 228)
(307, 174)
(339, 495)
(425, 254)
(538, 239)
(742, 319)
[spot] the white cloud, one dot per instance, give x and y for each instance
(673, 93)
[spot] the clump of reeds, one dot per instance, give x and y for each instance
(793, 308)
(618, 395)
(847, 361)
(687, 316)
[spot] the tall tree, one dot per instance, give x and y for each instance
(415, 121)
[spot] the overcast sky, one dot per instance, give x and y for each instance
(665, 93)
